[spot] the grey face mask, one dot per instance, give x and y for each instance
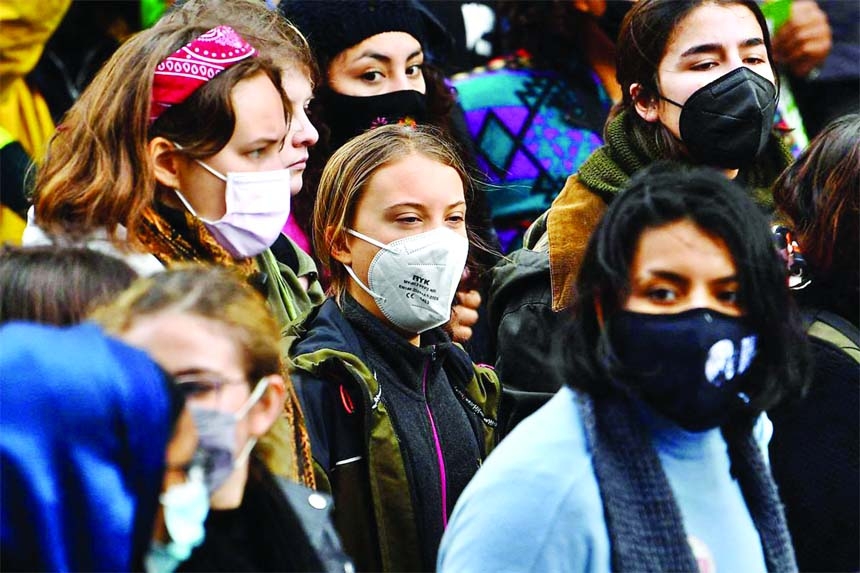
(216, 447)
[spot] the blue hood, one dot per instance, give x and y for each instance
(84, 423)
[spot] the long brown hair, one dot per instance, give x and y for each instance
(216, 293)
(97, 173)
(820, 193)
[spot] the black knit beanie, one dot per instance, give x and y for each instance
(332, 26)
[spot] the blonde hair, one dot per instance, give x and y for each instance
(348, 171)
(216, 293)
(220, 294)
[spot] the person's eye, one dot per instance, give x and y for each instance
(196, 388)
(371, 76)
(409, 219)
(661, 295)
(755, 60)
(456, 218)
(414, 70)
(729, 296)
(256, 153)
(704, 66)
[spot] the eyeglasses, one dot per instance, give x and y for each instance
(200, 384)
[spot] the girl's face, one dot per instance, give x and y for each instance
(204, 353)
(384, 63)
(413, 195)
(677, 267)
(711, 41)
(302, 134)
(256, 145)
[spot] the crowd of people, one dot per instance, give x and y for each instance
(288, 289)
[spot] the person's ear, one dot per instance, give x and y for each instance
(646, 106)
(270, 406)
(165, 161)
(339, 248)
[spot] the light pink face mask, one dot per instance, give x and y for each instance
(258, 204)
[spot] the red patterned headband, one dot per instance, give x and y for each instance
(182, 72)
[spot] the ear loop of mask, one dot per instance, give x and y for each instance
(255, 396)
(351, 272)
(182, 197)
(211, 170)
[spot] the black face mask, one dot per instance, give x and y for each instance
(690, 367)
(610, 21)
(727, 122)
(349, 116)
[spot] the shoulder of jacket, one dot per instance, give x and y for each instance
(835, 330)
(534, 238)
(327, 360)
(522, 277)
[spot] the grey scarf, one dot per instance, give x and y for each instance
(646, 530)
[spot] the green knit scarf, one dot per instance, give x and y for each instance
(609, 168)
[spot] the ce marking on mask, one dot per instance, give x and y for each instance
(418, 289)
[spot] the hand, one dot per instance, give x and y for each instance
(804, 41)
(464, 314)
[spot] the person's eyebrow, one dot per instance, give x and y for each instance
(192, 371)
(701, 49)
(677, 278)
(265, 140)
(752, 43)
(374, 56)
(710, 48)
(406, 204)
(383, 58)
(665, 275)
(726, 280)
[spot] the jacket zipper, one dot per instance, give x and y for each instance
(439, 457)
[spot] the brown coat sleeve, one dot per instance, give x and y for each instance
(573, 216)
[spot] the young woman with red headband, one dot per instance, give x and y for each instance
(173, 154)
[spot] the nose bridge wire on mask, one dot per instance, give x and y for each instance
(711, 84)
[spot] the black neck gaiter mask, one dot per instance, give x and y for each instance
(349, 116)
(727, 122)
